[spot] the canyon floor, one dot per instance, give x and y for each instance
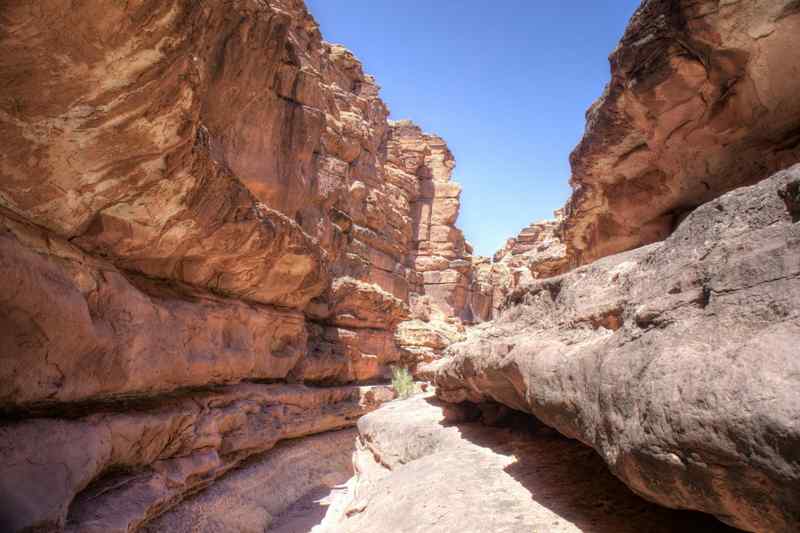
(422, 465)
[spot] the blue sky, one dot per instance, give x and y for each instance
(506, 83)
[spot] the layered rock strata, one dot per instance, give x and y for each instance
(702, 99)
(204, 216)
(116, 468)
(299, 486)
(537, 252)
(676, 361)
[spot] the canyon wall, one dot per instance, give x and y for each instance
(213, 240)
(676, 361)
(702, 99)
(206, 216)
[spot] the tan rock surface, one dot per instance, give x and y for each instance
(245, 159)
(290, 489)
(192, 195)
(676, 362)
(342, 355)
(198, 199)
(537, 252)
(423, 469)
(75, 328)
(118, 148)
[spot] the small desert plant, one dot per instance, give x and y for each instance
(402, 382)
(14, 105)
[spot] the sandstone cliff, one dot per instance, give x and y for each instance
(213, 243)
(676, 361)
(205, 215)
(702, 99)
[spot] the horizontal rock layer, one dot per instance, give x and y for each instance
(294, 486)
(76, 329)
(126, 463)
(537, 252)
(676, 361)
(195, 197)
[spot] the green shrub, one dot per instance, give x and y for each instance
(402, 382)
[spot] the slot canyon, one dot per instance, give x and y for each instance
(216, 249)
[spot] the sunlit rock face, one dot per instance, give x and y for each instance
(676, 361)
(702, 99)
(205, 215)
(469, 470)
(537, 252)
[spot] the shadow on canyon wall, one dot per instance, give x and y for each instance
(570, 479)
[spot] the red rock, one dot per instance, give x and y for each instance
(702, 99)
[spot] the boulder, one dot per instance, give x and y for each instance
(675, 361)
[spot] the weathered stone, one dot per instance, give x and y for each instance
(342, 355)
(423, 341)
(144, 460)
(109, 150)
(702, 99)
(357, 304)
(537, 252)
(191, 195)
(75, 328)
(675, 361)
(262, 494)
(420, 467)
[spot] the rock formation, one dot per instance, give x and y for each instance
(284, 491)
(204, 215)
(214, 245)
(424, 468)
(537, 252)
(114, 469)
(702, 99)
(676, 361)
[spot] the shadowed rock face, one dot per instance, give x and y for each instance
(676, 361)
(130, 466)
(702, 99)
(295, 487)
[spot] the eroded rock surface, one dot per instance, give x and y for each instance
(537, 252)
(200, 203)
(296, 487)
(424, 468)
(676, 361)
(131, 464)
(702, 99)
(210, 234)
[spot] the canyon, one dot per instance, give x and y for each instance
(215, 246)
